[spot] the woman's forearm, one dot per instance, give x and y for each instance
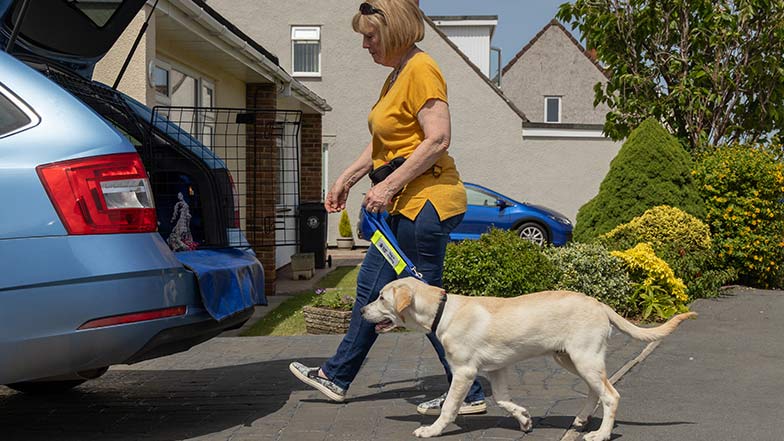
(358, 169)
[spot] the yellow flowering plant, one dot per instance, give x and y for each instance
(743, 188)
(657, 288)
(681, 240)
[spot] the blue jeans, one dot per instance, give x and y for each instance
(424, 242)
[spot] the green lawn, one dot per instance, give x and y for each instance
(287, 318)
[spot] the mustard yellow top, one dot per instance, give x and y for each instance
(396, 132)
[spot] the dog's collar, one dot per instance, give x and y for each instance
(439, 313)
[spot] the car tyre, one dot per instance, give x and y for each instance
(533, 232)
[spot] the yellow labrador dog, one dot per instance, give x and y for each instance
(490, 334)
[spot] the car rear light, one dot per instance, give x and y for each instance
(134, 317)
(101, 194)
(236, 198)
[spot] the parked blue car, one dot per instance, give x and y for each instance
(489, 209)
(87, 279)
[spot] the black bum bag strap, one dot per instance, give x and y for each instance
(382, 172)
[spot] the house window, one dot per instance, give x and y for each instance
(208, 117)
(160, 80)
(306, 51)
(552, 109)
(178, 86)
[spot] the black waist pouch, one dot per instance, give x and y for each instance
(381, 173)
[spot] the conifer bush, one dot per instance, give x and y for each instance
(743, 188)
(344, 227)
(500, 264)
(651, 169)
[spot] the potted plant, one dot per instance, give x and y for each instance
(346, 239)
(330, 312)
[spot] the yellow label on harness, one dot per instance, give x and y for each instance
(388, 251)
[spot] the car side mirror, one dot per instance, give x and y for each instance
(501, 204)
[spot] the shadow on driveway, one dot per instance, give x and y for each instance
(152, 404)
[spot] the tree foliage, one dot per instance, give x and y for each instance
(711, 70)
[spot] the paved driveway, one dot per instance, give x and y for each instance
(720, 377)
(240, 389)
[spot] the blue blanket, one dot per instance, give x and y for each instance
(230, 280)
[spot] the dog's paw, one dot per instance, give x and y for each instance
(596, 436)
(580, 424)
(524, 418)
(526, 425)
(426, 432)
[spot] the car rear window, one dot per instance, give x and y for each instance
(11, 117)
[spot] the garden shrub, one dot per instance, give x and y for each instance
(656, 289)
(339, 299)
(743, 188)
(344, 226)
(682, 240)
(592, 270)
(500, 264)
(651, 169)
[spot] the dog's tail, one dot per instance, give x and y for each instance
(646, 334)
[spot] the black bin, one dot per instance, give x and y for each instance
(313, 231)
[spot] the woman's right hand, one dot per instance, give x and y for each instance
(336, 198)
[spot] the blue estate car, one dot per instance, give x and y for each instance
(87, 279)
(489, 209)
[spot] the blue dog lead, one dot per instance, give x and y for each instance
(375, 228)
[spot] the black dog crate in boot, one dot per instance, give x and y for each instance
(313, 231)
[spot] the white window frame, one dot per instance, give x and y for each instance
(161, 99)
(201, 82)
(305, 33)
(208, 117)
(560, 106)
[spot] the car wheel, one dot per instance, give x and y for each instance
(533, 232)
(45, 387)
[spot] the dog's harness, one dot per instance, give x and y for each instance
(439, 313)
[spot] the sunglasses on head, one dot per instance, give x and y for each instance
(368, 9)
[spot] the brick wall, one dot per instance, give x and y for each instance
(310, 160)
(262, 168)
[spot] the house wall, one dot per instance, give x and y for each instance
(134, 82)
(482, 123)
(555, 66)
(229, 90)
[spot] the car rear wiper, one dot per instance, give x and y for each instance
(17, 26)
(133, 48)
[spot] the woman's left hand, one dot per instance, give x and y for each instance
(378, 197)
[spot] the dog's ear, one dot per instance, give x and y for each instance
(402, 300)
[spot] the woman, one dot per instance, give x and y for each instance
(424, 195)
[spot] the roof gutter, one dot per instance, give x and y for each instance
(268, 68)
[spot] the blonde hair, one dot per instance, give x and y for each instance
(401, 26)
